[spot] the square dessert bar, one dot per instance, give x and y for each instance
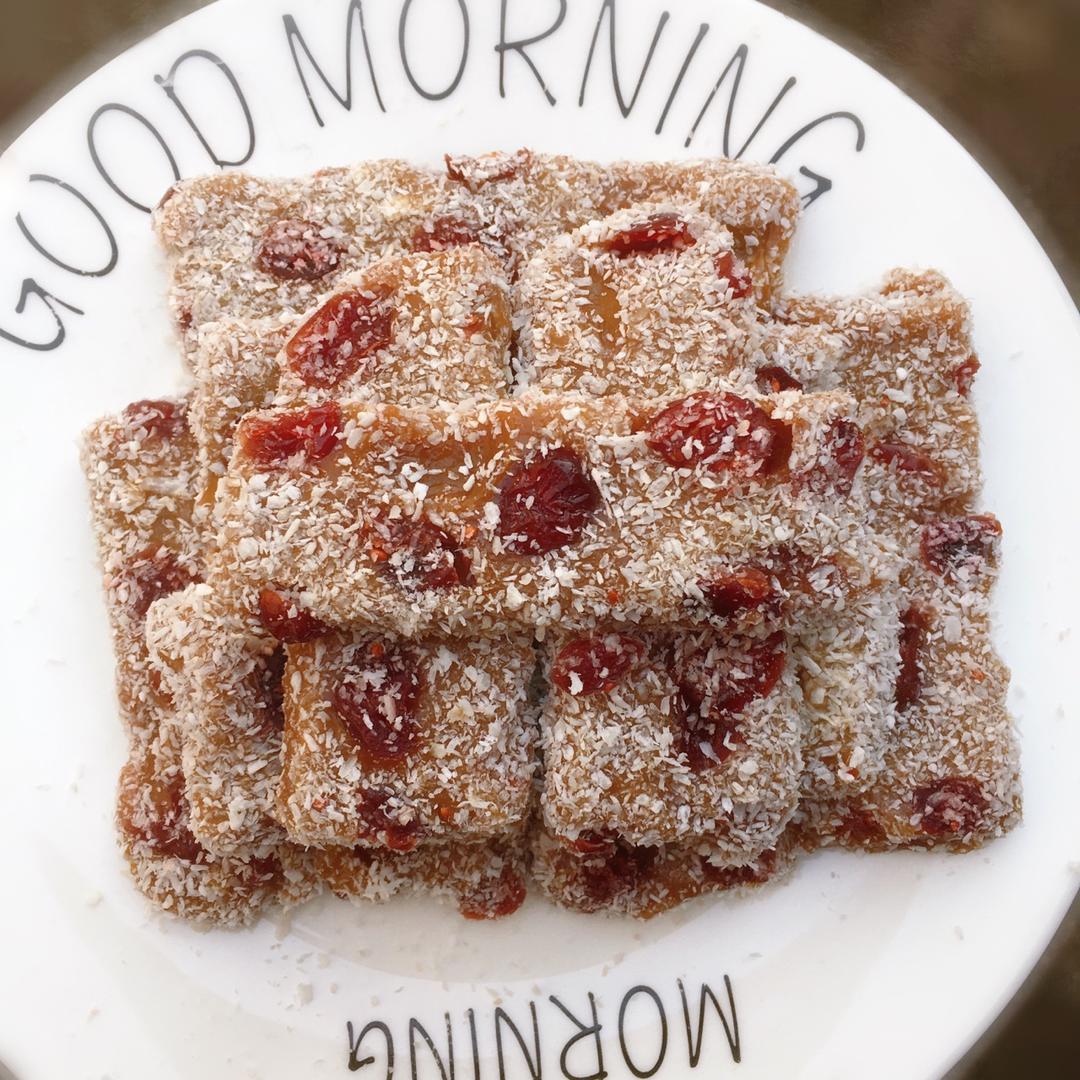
(649, 301)
(667, 737)
(391, 743)
(485, 878)
(140, 471)
(905, 354)
(543, 511)
(415, 329)
(251, 248)
(951, 770)
(169, 865)
(224, 673)
(613, 876)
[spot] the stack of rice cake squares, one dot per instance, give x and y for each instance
(517, 524)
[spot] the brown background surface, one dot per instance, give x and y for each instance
(1002, 75)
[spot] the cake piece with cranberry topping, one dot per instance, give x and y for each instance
(649, 301)
(664, 737)
(609, 875)
(951, 770)
(545, 510)
(388, 743)
(416, 329)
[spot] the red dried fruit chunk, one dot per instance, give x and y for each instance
(954, 806)
(341, 337)
(593, 843)
(734, 877)
(495, 899)
(443, 233)
(377, 823)
(286, 620)
(622, 870)
(724, 431)
(294, 250)
(842, 451)
(964, 375)
(419, 554)
(907, 459)
(738, 279)
(774, 380)
(376, 699)
(914, 626)
(859, 828)
(163, 822)
(310, 433)
(475, 172)
(713, 689)
(963, 545)
(748, 589)
(159, 419)
(661, 232)
(151, 574)
(545, 502)
(270, 719)
(595, 664)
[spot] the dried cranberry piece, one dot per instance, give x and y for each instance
(743, 590)
(376, 822)
(712, 690)
(443, 233)
(594, 843)
(159, 419)
(286, 620)
(964, 375)
(295, 250)
(495, 899)
(545, 502)
(151, 574)
(773, 379)
(859, 828)
(377, 699)
(738, 279)
(959, 546)
(954, 806)
(661, 232)
(419, 554)
(914, 626)
(619, 872)
(475, 172)
(842, 451)
(341, 337)
(907, 459)
(270, 718)
(165, 825)
(597, 663)
(308, 433)
(723, 431)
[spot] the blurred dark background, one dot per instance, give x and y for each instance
(1001, 75)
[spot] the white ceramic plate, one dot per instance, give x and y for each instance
(885, 967)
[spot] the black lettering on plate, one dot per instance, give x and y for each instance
(703, 29)
(433, 95)
(531, 1063)
(736, 63)
(415, 1027)
(356, 1063)
(630, 1064)
(32, 288)
(521, 44)
(585, 1031)
(91, 139)
(609, 7)
(168, 84)
(823, 183)
(345, 100)
(114, 251)
(731, 1031)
